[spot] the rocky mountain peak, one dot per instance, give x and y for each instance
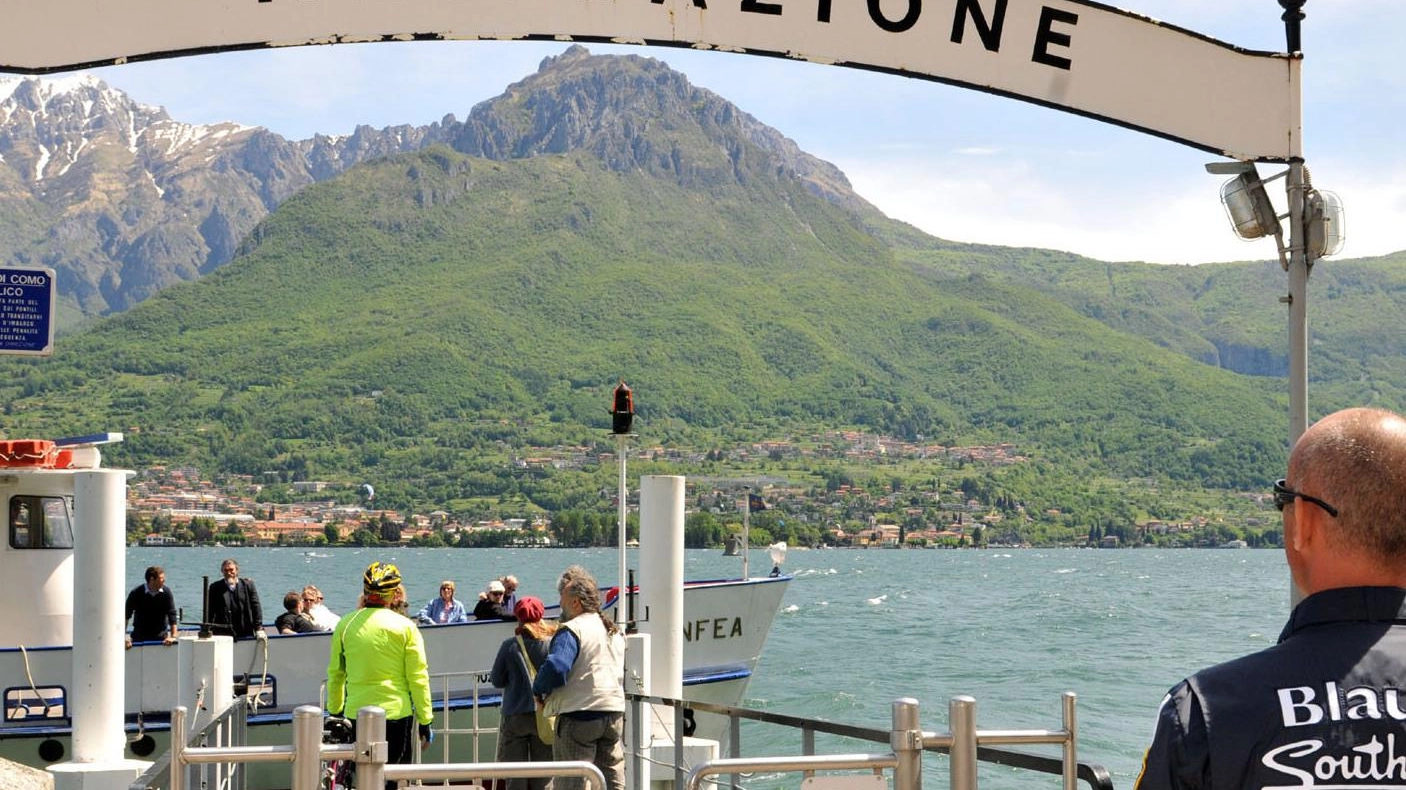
(636, 113)
(46, 126)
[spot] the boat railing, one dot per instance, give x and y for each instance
(444, 687)
(308, 755)
(965, 745)
(226, 730)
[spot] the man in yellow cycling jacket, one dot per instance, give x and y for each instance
(378, 658)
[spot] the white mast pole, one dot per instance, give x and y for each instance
(620, 610)
(746, 526)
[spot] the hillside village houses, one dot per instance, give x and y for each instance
(169, 498)
(174, 497)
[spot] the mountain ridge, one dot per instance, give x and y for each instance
(134, 201)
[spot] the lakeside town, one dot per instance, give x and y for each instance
(179, 506)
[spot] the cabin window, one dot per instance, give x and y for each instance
(41, 522)
(30, 703)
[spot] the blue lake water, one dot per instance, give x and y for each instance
(858, 629)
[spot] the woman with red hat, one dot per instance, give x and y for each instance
(513, 671)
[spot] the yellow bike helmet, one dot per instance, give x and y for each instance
(380, 578)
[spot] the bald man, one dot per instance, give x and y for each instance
(1326, 706)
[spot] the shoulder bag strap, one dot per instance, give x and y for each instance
(531, 670)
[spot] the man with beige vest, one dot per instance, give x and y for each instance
(580, 683)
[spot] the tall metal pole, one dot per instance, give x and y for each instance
(1299, 265)
(1300, 258)
(620, 440)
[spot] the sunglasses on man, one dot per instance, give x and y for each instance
(1285, 496)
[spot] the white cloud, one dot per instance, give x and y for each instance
(1375, 206)
(1011, 203)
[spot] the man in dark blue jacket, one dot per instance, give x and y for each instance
(1326, 706)
(152, 609)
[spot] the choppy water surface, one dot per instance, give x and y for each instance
(858, 629)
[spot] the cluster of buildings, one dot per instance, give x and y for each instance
(175, 498)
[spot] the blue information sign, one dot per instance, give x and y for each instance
(27, 311)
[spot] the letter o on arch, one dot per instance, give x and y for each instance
(915, 9)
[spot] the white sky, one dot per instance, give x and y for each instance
(959, 164)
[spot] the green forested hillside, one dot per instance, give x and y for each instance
(401, 320)
(1225, 314)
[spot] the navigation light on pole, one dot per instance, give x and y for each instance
(623, 410)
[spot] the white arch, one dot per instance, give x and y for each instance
(1074, 55)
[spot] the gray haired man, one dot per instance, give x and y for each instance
(579, 683)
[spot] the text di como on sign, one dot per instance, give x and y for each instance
(26, 311)
(12, 283)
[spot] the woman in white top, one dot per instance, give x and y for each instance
(316, 610)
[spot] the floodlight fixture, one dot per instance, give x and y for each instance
(1327, 223)
(1251, 213)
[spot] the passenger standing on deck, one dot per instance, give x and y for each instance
(232, 605)
(517, 725)
(151, 606)
(378, 658)
(580, 683)
(1326, 706)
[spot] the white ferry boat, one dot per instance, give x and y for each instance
(42, 672)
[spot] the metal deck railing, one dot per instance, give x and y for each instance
(965, 745)
(214, 758)
(226, 730)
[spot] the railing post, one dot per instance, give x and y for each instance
(239, 734)
(1071, 758)
(907, 742)
(734, 737)
(961, 717)
(307, 747)
(678, 737)
(637, 723)
(371, 748)
(178, 745)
